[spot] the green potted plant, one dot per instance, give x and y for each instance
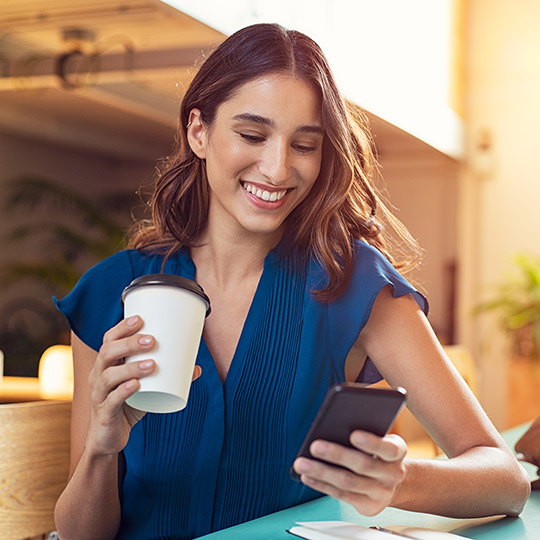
(516, 302)
(55, 233)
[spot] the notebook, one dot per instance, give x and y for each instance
(342, 530)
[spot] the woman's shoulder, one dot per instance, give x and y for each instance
(131, 256)
(367, 256)
(126, 262)
(349, 313)
(94, 304)
(108, 277)
(372, 272)
(367, 261)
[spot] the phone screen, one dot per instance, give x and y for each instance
(351, 406)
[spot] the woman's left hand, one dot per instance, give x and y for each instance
(367, 476)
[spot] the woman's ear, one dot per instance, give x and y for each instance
(197, 133)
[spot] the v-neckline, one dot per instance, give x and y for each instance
(262, 292)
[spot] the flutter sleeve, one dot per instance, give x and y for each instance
(349, 314)
(94, 305)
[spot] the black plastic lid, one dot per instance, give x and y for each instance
(169, 280)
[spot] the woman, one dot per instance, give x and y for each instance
(269, 204)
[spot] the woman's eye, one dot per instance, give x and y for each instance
(251, 138)
(304, 149)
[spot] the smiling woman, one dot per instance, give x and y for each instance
(263, 154)
(268, 202)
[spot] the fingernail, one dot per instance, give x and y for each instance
(147, 364)
(132, 321)
(145, 340)
(320, 448)
(303, 466)
(358, 438)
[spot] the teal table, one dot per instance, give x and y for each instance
(273, 526)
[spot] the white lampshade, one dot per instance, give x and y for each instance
(56, 373)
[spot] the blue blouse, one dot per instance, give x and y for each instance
(225, 458)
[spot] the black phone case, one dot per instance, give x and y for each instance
(351, 406)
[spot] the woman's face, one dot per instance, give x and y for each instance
(263, 153)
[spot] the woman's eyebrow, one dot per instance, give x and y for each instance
(258, 119)
(255, 118)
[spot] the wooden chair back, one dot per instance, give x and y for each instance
(34, 465)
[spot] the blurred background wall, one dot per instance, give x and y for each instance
(499, 188)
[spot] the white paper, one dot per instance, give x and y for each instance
(336, 530)
(423, 534)
(343, 530)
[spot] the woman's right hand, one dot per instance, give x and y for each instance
(112, 381)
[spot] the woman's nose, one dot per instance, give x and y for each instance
(274, 163)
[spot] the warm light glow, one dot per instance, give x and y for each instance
(56, 373)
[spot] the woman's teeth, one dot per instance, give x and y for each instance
(263, 194)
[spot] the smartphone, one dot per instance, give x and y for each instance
(351, 406)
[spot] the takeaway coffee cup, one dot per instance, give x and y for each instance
(173, 310)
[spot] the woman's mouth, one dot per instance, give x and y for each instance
(264, 195)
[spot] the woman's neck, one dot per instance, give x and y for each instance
(227, 259)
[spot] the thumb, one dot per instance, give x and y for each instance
(197, 371)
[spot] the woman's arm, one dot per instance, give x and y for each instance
(89, 507)
(481, 477)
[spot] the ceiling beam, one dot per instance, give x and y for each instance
(75, 69)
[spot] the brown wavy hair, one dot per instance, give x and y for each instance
(343, 204)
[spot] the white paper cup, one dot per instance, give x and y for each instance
(173, 310)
